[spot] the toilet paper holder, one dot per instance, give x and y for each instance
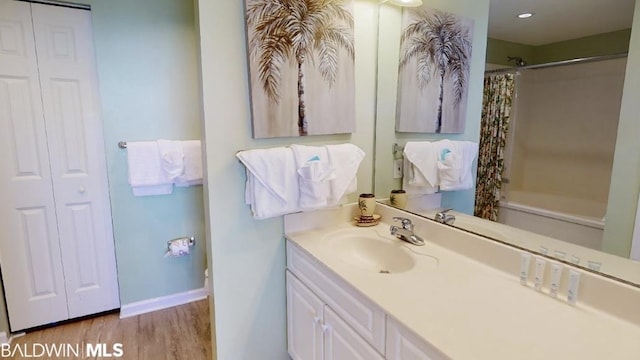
(180, 246)
(190, 239)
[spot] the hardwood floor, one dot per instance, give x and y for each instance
(182, 332)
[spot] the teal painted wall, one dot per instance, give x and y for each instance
(147, 67)
(247, 255)
(388, 53)
(499, 50)
(614, 42)
(602, 44)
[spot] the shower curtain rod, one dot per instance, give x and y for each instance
(60, 3)
(557, 63)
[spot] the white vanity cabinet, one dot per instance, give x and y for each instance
(327, 318)
(316, 332)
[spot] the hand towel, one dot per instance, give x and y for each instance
(171, 158)
(423, 159)
(192, 150)
(315, 172)
(449, 164)
(345, 159)
(413, 182)
(145, 173)
(272, 181)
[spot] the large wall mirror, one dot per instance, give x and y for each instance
(562, 195)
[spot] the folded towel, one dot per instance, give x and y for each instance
(454, 165)
(413, 182)
(469, 155)
(145, 173)
(272, 181)
(345, 159)
(423, 168)
(315, 172)
(443, 164)
(420, 168)
(192, 175)
(171, 158)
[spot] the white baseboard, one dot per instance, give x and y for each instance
(159, 303)
(4, 339)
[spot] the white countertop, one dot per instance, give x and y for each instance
(469, 310)
(612, 265)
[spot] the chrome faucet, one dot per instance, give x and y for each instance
(443, 217)
(405, 232)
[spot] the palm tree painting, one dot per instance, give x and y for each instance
(301, 66)
(433, 72)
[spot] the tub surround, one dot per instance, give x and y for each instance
(471, 305)
(577, 221)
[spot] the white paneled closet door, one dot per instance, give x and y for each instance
(80, 237)
(29, 246)
(69, 82)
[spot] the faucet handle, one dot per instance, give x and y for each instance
(442, 217)
(406, 223)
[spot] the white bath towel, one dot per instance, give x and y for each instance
(171, 158)
(145, 173)
(272, 181)
(455, 164)
(315, 173)
(420, 167)
(346, 159)
(192, 175)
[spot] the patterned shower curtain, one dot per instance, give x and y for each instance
(496, 111)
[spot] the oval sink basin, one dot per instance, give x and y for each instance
(371, 252)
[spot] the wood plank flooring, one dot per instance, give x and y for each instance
(182, 332)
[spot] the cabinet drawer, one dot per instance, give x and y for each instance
(402, 344)
(361, 314)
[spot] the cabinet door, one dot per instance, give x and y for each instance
(341, 342)
(402, 344)
(304, 321)
(29, 242)
(70, 98)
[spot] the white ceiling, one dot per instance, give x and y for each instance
(557, 20)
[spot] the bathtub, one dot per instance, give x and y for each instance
(577, 221)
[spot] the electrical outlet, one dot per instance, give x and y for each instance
(397, 169)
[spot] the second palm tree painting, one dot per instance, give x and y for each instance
(301, 65)
(435, 54)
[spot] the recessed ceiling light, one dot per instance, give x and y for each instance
(525, 15)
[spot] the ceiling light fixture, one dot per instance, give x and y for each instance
(403, 3)
(525, 15)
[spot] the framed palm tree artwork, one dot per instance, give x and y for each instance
(301, 67)
(433, 71)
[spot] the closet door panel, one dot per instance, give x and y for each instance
(74, 127)
(29, 241)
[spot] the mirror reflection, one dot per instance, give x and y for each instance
(551, 102)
